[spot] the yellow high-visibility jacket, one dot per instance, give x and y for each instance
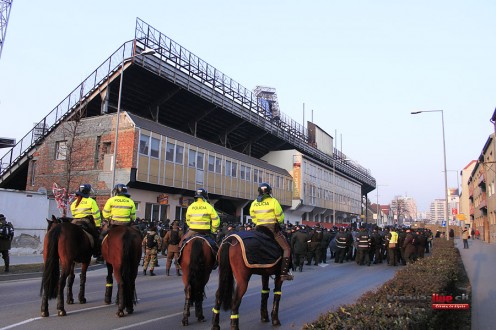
(120, 208)
(202, 216)
(87, 206)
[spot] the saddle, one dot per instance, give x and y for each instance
(259, 250)
(84, 223)
(211, 243)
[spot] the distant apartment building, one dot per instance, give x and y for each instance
(438, 211)
(482, 196)
(464, 210)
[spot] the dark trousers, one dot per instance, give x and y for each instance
(340, 253)
(392, 258)
(6, 259)
(362, 257)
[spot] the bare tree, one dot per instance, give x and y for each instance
(71, 131)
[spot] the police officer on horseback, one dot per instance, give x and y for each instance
(120, 208)
(267, 212)
(84, 207)
(201, 217)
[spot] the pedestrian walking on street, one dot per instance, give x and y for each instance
(465, 237)
(6, 236)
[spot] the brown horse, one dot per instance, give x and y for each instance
(229, 294)
(197, 262)
(65, 244)
(121, 249)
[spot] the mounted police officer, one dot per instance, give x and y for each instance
(84, 207)
(120, 209)
(267, 212)
(201, 217)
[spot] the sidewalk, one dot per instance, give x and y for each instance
(480, 263)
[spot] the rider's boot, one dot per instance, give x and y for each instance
(285, 275)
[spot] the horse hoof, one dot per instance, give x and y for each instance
(265, 319)
(82, 301)
(108, 301)
(120, 314)
(276, 323)
(130, 311)
(201, 319)
(45, 314)
(215, 327)
(70, 301)
(185, 322)
(62, 313)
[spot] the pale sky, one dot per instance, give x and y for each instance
(361, 67)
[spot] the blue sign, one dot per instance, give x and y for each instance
(443, 223)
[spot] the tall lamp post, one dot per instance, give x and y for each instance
(378, 209)
(116, 139)
(445, 171)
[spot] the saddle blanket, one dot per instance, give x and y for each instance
(259, 250)
(211, 243)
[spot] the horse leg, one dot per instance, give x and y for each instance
(60, 293)
(199, 311)
(187, 304)
(70, 282)
(109, 285)
(44, 304)
(82, 283)
(277, 299)
(120, 299)
(215, 312)
(240, 291)
(264, 314)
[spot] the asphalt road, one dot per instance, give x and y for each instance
(314, 291)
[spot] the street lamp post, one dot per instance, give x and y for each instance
(445, 171)
(116, 139)
(378, 209)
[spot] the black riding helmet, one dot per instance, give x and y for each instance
(120, 190)
(201, 193)
(264, 189)
(84, 190)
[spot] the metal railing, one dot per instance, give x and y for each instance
(181, 59)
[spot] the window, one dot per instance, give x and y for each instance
(234, 170)
(179, 154)
(228, 168)
(169, 152)
(242, 170)
(144, 144)
(211, 163)
(192, 158)
(248, 173)
(218, 165)
(155, 150)
(255, 175)
(199, 160)
(33, 172)
(60, 150)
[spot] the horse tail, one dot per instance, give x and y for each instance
(226, 278)
(197, 269)
(127, 264)
(51, 271)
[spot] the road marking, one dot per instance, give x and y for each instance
(54, 315)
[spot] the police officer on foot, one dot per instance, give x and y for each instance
(84, 207)
(6, 236)
(266, 211)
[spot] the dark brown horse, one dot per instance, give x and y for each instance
(121, 249)
(229, 294)
(65, 244)
(197, 262)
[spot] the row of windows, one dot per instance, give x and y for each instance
(175, 153)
